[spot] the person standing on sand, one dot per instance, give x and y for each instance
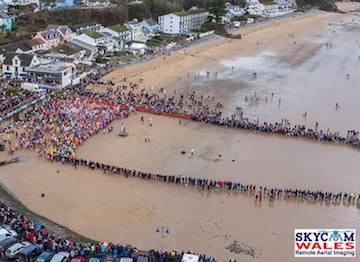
(150, 122)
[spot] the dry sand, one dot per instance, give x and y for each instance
(118, 209)
(129, 210)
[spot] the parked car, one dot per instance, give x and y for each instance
(7, 242)
(6, 233)
(14, 250)
(30, 252)
(94, 259)
(45, 257)
(126, 259)
(60, 257)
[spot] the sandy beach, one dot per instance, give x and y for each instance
(306, 76)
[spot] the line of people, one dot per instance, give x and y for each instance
(259, 193)
(206, 109)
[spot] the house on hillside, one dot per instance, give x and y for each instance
(182, 22)
(54, 35)
(136, 30)
(64, 3)
(21, 2)
(15, 65)
(5, 22)
(38, 45)
(86, 28)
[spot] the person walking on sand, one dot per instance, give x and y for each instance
(192, 152)
(150, 122)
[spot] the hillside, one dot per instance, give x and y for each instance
(107, 16)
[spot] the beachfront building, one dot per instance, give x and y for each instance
(52, 75)
(182, 22)
(286, 4)
(233, 11)
(136, 30)
(254, 7)
(119, 34)
(16, 65)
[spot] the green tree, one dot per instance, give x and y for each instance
(217, 8)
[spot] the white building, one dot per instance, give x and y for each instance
(136, 30)
(21, 2)
(95, 40)
(15, 65)
(254, 7)
(119, 34)
(53, 75)
(182, 22)
(278, 8)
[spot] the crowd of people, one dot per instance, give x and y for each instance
(61, 124)
(13, 98)
(38, 234)
(206, 109)
(259, 193)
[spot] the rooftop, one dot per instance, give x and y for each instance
(118, 28)
(94, 35)
(89, 24)
(25, 59)
(22, 45)
(54, 67)
(190, 12)
(68, 49)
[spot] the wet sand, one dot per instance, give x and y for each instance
(306, 76)
(259, 158)
(116, 209)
